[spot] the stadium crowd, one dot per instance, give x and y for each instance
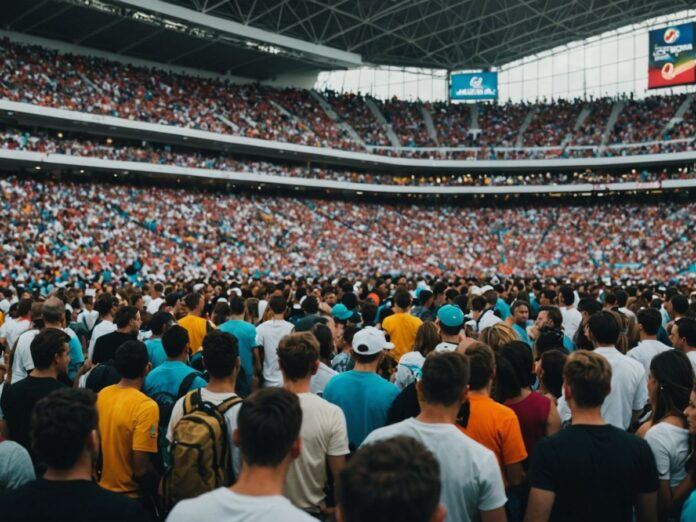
(33, 74)
(40, 141)
(375, 398)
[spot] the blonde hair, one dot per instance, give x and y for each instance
(498, 335)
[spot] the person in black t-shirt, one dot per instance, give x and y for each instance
(51, 356)
(591, 470)
(127, 320)
(64, 436)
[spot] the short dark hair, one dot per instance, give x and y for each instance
(478, 303)
(621, 298)
(680, 303)
(350, 300)
(310, 304)
(174, 341)
(159, 287)
(60, 424)
(555, 315)
(588, 375)
(368, 311)
(589, 305)
(236, 305)
(297, 355)
(424, 295)
(445, 376)
(517, 304)
(325, 338)
(604, 327)
(549, 339)
(192, 300)
(220, 353)
(402, 298)
(650, 319)
(277, 304)
(105, 304)
(686, 327)
(46, 345)
(481, 364)
(159, 321)
(514, 371)
(269, 422)
(24, 307)
(567, 295)
(552, 363)
(131, 359)
(124, 315)
(372, 483)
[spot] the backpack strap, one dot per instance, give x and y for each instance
(227, 404)
(192, 401)
(186, 384)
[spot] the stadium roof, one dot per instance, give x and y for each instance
(264, 38)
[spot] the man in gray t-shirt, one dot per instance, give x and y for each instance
(16, 468)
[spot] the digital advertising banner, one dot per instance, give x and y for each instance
(671, 56)
(474, 86)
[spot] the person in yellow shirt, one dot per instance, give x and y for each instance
(128, 421)
(401, 325)
(196, 325)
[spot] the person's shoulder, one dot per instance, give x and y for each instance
(633, 364)
(386, 432)
(118, 506)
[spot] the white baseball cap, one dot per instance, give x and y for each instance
(370, 341)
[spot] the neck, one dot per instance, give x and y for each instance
(237, 317)
(57, 326)
(222, 385)
(483, 392)
(107, 317)
(688, 349)
(260, 481)
(82, 470)
(454, 339)
(592, 416)
(299, 386)
(131, 383)
(124, 331)
(183, 357)
(366, 367)
(45, 373)
(399, 310)
(438, 413)
(646, 337)
(278, 317)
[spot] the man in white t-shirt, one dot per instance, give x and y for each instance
(268, 336)
(155, 301)
(324, 432)
(483, 311)
(629, 393)
(649, 321)
(472, 485)
(682, 335)
(106, 306)
(89, 316)
(571, 316)
(268, 435)
(18, 326)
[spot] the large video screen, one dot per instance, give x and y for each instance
(474, 86)
(671, 60)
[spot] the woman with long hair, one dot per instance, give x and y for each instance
(669, 385)
(411, 363)
(549, 370)
(688, 485)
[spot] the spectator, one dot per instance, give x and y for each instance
(324, 433)
(450, 320)
(425, 311)
(20, 355)
(363, 395)
(520, 320)
(371, 486)
(571, 317)
(310, 306)
(156, 301)
(628, 395)
(268, 436)
(683, 337)
(649, 321)
(128, 421)
(245, 333)
(16, 468)
(491, 424)
(196, 325)
(550, 317)
(343, 361)
(64, 436)
(621, 475)
(472, 487)
(325, 373)
(483, 310)
(50, 354)
(127, 321)
(410, 365)
(268, 336)
(401, 326)
(549, 370)
(159, 324)
(105, 306)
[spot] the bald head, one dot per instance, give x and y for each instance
(53, 311)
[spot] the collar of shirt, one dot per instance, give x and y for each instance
(606, 350)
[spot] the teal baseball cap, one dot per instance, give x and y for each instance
(341, 312)
(450, 315)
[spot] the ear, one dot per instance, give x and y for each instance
(440, 514)
(235, 438)
(316, 368)
(296, 448)
(463, 395)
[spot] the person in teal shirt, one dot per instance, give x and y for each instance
(503, 308)
(159, 324)
(77, 357)
(520, 320)
(169, 375)
(246, 339)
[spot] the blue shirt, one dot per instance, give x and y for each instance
(365, 399)
(568, 344)
(688, 513)
(246, 339)
(167, 377)
(76, 356)
(522, 333)
(503, 308)
(155, 352)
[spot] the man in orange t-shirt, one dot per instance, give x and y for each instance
(401, 326)
(195, 325)
(490, 423)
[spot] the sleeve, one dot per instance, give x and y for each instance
(145, 432)
(404, 376)
(338, 438)
(25, 361)
(259, 337)
(22, 469)
(514, 450)
(660, 452)
(177, 413)
(563, 409)
(641, 396)
(5, 401)
(492, 490)
(542, 472)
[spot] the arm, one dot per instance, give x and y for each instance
(495, 515)
(553, 421)
(144, 473)
(646, 507)
(515, 473)
(664, 499)
(336, 464)
(540, 505)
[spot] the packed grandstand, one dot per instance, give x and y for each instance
(257, 298)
